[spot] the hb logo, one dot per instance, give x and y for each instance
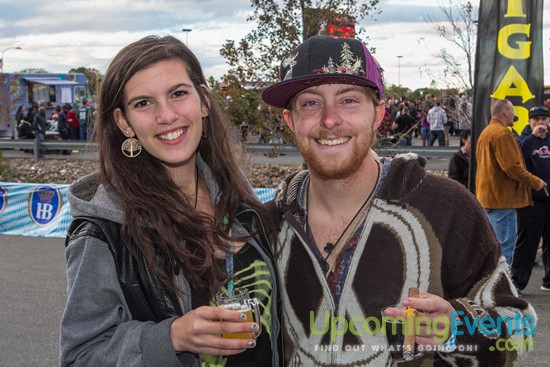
(44, 204)
(3, 199)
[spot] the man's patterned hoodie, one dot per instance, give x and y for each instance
(421, 231)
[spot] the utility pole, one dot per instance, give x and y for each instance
(399, 57)
(2, 58)
(186, 30)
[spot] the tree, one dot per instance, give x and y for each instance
(254, 60)
(396, 91)
(280, 27)
(93, 76)
(460, 30)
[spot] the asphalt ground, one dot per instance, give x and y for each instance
(33, 294)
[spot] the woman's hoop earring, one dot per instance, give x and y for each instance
(131, 147)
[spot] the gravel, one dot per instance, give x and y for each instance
(57, 171)
(67, 171)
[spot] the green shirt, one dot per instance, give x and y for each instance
(83, 114)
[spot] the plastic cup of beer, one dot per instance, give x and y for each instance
(240, 301)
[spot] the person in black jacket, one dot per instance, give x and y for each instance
(167, 223)
(63, 124)
(19, 115)
(534, 220)
(404, 125)
(24, 130)
(39, 126)
(459, 164)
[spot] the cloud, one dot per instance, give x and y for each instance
(68, 34)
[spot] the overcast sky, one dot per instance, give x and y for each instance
(63, 34)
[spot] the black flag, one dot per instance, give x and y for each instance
(509, 63)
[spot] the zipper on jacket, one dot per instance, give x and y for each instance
(269, 260)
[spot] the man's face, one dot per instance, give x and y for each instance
(540, 121)
(468, 144)
(334, 126)
(510, 114)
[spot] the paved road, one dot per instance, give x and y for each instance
(33, 293)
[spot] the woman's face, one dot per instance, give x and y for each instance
(164, 112)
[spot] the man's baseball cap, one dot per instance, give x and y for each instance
(538, 111)
(324, 60)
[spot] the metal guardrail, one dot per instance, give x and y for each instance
(35, 145)
(423, 151)
(387, 151)
(48, 144)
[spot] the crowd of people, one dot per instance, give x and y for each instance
(169, 222)
(429, 118)
(67, 122)
(71, 121)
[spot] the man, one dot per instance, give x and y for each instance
(403, 126)
(502, 181)
(84, 114)
(459, 164)
(39, 127)
(355, 233)
(63, 125)
(437, 117)
(534, 220)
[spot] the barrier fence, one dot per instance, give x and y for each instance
(42, 210)
(50, 144)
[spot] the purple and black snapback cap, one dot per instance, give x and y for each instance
(324, 60)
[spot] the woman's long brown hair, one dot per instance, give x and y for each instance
(161, 226)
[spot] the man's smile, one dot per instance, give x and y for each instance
(332, 142)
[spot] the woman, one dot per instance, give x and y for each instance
(168, 222)
(459, 164)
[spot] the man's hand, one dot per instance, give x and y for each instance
(540, 131)
(433, 321)
(541, 185)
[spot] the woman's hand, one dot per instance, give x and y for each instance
(199, 331)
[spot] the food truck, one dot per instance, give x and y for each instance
(48, 90)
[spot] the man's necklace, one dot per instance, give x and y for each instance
(330, 246)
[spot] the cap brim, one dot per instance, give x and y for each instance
(280, 94)
(538, 114)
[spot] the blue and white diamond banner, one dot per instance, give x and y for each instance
(44, 211)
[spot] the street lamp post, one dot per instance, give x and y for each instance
(399, 57)
(2, 58)
(186, 30)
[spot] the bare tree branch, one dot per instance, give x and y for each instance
(460, 29)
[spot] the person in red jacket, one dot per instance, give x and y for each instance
(74, 124)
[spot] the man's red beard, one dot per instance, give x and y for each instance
(337, 167)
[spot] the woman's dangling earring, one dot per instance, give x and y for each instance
(131, 147)
(205, 127)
